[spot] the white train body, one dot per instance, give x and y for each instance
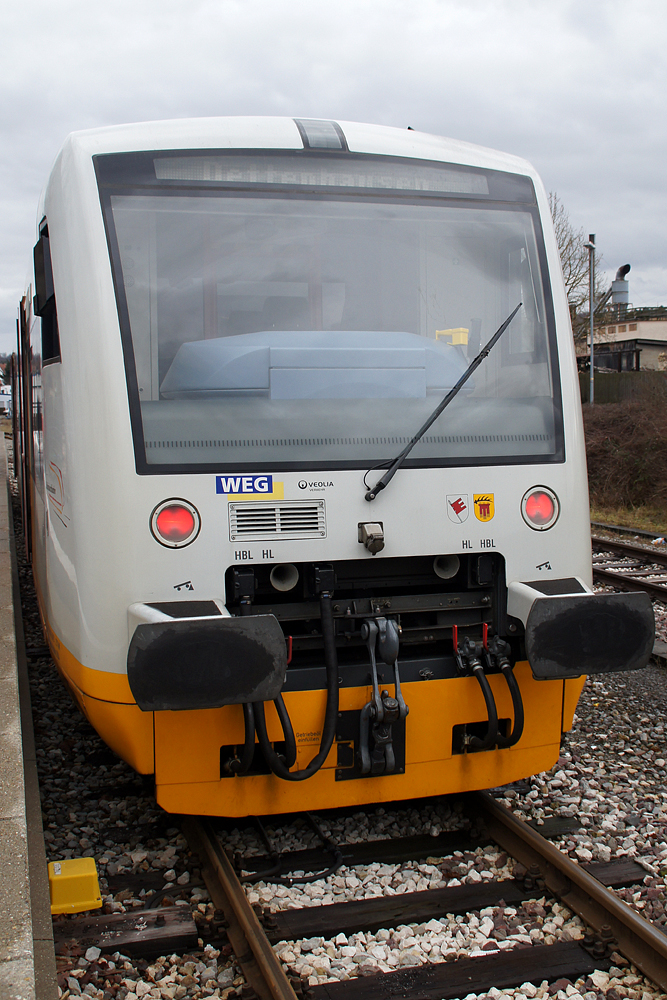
(225, 289)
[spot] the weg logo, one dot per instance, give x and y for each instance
(245, 487)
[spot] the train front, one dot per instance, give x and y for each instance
(307, 630)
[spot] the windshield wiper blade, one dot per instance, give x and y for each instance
(398, 461)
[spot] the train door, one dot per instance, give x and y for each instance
(16, 415)
(25, 451)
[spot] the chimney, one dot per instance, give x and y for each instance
(620, 295)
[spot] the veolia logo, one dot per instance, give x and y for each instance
(302, 484)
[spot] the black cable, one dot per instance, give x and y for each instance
(270, 874)
(241, 765)
(173, 890)
(517, 704)
(491, 737)
(288, 731)
(267, 873)
(330, 716)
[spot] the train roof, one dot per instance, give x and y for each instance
(284, 133)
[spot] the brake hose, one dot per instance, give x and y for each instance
(517, 704)
(491, 737)
(288, 730)
(273, 760)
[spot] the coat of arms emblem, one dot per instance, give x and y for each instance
(484, 506)
(457, 507)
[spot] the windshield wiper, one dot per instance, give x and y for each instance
(398, 461)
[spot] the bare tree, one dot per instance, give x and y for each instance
(574, 262)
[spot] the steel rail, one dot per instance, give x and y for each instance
(620, 530)
(628, 549)
(259, 963)
(628, 582)
(640, 941)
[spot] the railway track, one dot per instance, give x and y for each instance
(630, 567)
(587, 890)
(618, 529)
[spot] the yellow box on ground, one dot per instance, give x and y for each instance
(74, 885)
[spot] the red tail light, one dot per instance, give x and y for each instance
(540, 508)
(175, 523)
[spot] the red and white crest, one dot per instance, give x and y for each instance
(457, 507)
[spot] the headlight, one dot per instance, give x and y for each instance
(175, 523)
(540, 508)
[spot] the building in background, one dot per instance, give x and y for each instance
(628, 339)
(635, 340)
(5, 401)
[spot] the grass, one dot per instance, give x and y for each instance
(641, 518)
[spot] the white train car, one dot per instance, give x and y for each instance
(259, 539)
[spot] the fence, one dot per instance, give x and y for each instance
(616, 387)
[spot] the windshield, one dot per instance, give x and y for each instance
(318, 329)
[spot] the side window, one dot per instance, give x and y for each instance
(44, 302)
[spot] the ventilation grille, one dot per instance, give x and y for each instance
(323, 442)
(263, 521)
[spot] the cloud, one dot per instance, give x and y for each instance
(576, 88)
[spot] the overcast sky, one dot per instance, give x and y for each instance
(575, 86)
